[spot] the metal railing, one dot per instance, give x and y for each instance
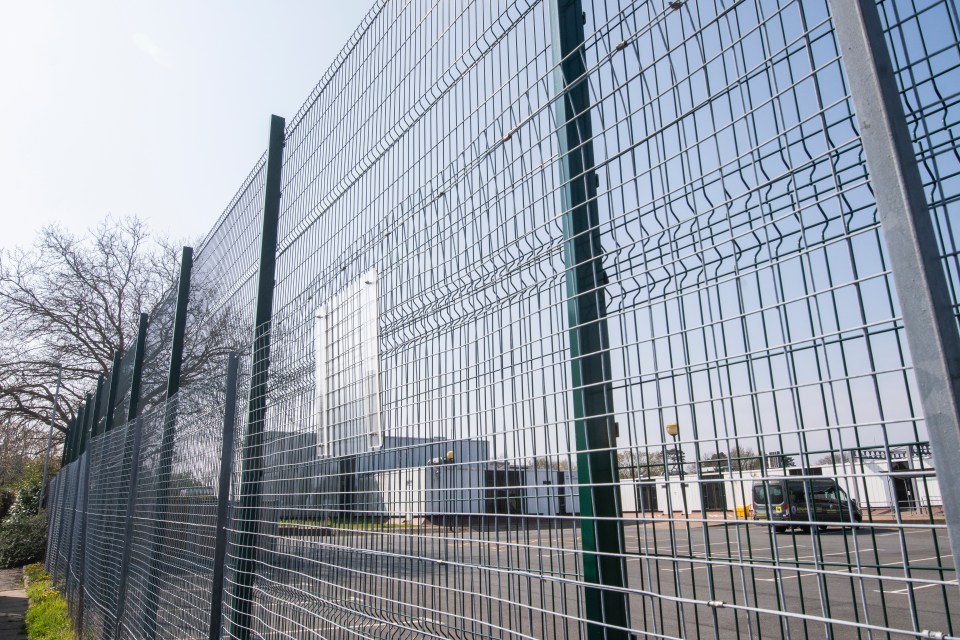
(556, 319)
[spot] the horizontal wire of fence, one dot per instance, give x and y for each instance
(554, 319)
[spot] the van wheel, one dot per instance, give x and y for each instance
(780, 529)
(821, 527)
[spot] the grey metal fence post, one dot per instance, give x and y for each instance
(46, 455)
(600, 525)
(223, 497)
(925, 302)
(252, 462)
(165, 462)
(51, 523)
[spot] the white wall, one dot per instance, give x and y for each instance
(870, 483)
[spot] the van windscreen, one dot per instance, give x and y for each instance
(760, 493)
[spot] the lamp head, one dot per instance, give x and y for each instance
(673, 429)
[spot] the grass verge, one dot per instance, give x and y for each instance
(48, 617)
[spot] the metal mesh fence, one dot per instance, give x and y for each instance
(923, 41)
(103, 547)
(580, 328)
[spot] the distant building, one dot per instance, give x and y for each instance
(877, 478)
(406, 478)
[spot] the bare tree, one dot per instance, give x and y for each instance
(73, 300)
(639, 464)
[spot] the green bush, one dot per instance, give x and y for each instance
(48, 617)
(26, 500)
(22, 540)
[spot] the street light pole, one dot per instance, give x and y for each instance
(53, 417)
(673, 430)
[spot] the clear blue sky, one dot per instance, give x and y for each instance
(158, 109)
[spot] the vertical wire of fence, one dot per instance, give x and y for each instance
(574, 320)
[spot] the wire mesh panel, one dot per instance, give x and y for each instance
(124, 386)
(174, 524)
(106, 519)
(756, 358)
(924, 44)
(223, 288)
(138, 619)
(74, 567)
(52, 506)
(60, 486)
(582, 327)
(158, 347)
(755, 329)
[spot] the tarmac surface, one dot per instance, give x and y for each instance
(726, 580)
(13, 604)
(682, 580)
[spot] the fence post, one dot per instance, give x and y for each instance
(98, 403)
(90, 433)
(81, 426)
(223, 497)
(132, 469)
(137, 427)
(600, 525)
(64, 461)
(926, 306)
(252, 454)
(165, 461)
(137, 376)
(51, 520)
(68, 442)
(46, 456)
(112, 396)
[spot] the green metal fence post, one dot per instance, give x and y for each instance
(84, 434)
(137, 376)
(252, 457)
(78, 436)
(601, 529)
(91, 433)
(112, 396)
(78, 429)
(67, 456)
(165, 462)
(223, 497)
(102, 391)
(136, 433)
(131, 469)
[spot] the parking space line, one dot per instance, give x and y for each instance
(912, 560)
(906, 590)
(795, 577)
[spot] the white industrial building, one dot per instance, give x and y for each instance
(906, 481)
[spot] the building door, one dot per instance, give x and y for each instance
(714, 497)
(647, 498)
(902, 487)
